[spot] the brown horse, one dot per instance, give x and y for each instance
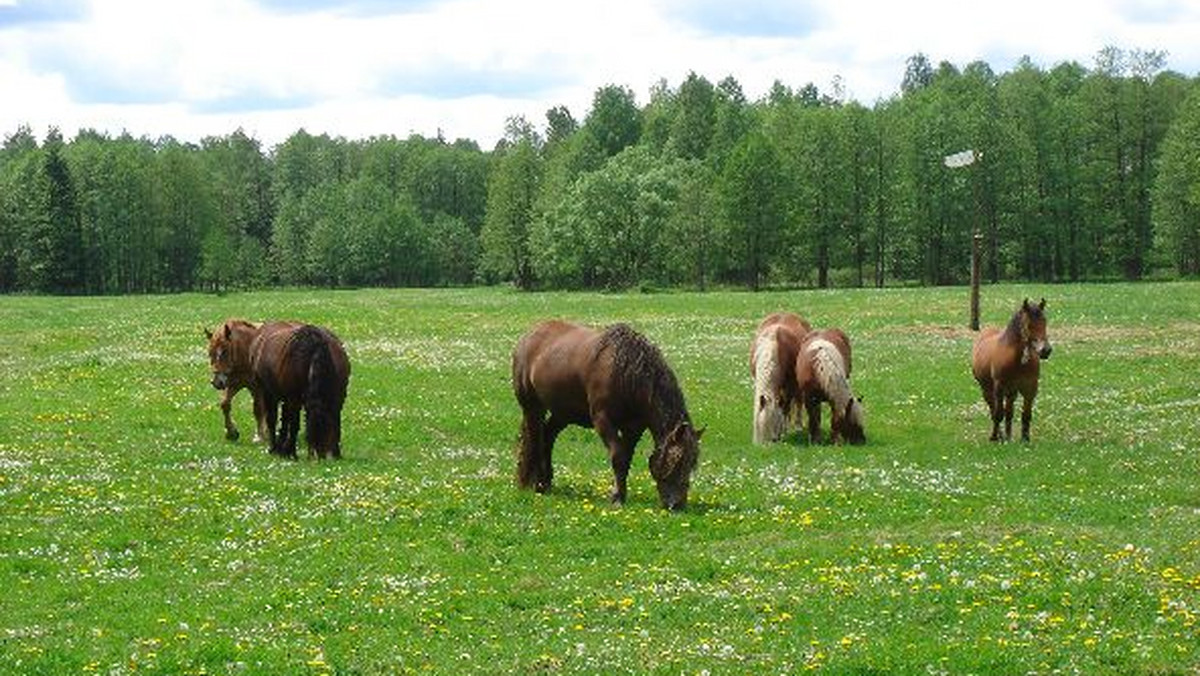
(305, 367)
(229, 360)
(1007, 362)
(772, 358)
(823, 374)
(613, 380)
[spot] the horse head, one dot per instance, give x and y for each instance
(1033, 328)
(220, 354)
(672, 464)
(851, 422)
(770, 418)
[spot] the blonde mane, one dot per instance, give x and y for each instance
(766, 362)
(830, 370)
(771, 423)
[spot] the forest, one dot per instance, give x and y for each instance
(1082, 173)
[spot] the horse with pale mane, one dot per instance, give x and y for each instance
(823, 374)
(773, 355)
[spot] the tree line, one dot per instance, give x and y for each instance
(1082, 173)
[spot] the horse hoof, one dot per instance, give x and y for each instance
(232, 435)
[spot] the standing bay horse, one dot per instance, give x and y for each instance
(1007, 362)
(823, 374)
(301, 366)
(613, 380)
(772, 365)
(229, 361)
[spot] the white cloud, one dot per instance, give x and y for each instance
(209, 66)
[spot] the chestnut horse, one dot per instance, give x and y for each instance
(823, 374)
(772, 365)
(305, 367)
(613, 380)
(229, 361)
(1007, 362)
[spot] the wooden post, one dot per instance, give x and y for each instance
(976, 238)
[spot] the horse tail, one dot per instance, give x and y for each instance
(529, 444)
(321, 408)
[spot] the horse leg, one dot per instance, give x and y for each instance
(271, 417)
(617, 455)
(1009, 400)
(260, 418)
(812, 407)
(1026, 414)
(545, 468)
(291, 424)
(529, 449)
(996, 404)
(231, 430)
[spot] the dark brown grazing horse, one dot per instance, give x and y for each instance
(772, 366)
(1007, 362)
(301, 367)
(823, 374)
(229, 360)
(613, 380)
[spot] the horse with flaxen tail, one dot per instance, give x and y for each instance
(772, 365)
(1008, 362)
(304, 367)
(823, 374)
(613, 380)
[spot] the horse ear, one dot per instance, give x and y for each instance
(700, 432)
(1025, 304)
(1042, 305)
(228, 333)
(207, 333)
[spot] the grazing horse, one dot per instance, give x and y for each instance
(1007, 362)
(229, 360)
(772, 358)
(301, 366)
(613, 380)
(823, 374)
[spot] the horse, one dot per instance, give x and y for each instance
(301, 366)
(613, 380)
(823, 374)
(772, 357)
(229, 361)
(1008, 362)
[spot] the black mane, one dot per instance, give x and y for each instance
(637, 363)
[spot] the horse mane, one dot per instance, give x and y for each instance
(636, 362)
(830, 371)
(766, 362)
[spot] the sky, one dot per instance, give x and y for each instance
(461, 68)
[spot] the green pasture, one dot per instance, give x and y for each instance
(135, 539)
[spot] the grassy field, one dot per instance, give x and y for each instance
(135, 539)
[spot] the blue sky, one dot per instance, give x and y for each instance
(358, 68)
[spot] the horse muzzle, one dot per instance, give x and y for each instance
(220, 381)
(1044, 351)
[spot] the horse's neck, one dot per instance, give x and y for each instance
(667, 411)
(1013, 333)
(831, 373)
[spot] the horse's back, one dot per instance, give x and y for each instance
(791, 320)
(549, 366)
(834, 337)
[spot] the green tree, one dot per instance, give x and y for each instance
(751, 193)
(614, 121)
(1177, 189)
(512, 192)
